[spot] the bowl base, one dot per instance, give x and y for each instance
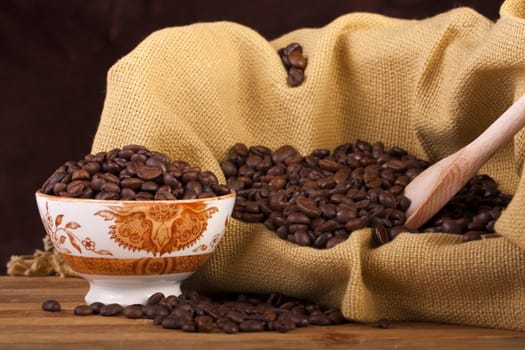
(128, 290)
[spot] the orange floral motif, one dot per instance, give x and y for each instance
(200, 248)
(59, 234)
(128, 267)
(163, 212)
(88, 243)
(215, 240)
(158, 229)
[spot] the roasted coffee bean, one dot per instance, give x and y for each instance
(155, 298)
(344, 214)
(95, 307)
(302, 238)
(204, 324)
(51, 305)
(76, 187)
(170, 322)
(162, 309)
(229, 327)
(283, 326)
(158, 319)
(471, 236)
(133, 183)
(404, 203)
(83, 310)
(190, 326)
(328, 226)
(107, 196)
(191, 174)
(283, 152)
(292, 47)
(335, 240)
(298, 218)
(308, 206)
(319, 319)
(395, 230)
(228, 168)
(139, 174)
(144, 196)
(451, 226)
(235, 316)
(387, 199)
(294, 62)
(112, 309)
(251, 326)
(336, 317)
(80, 174)
(328, 210)
(110, 187)
(146, 172)
(58, 188)
(92, 167)
(357, 223)
(133, 311)
(322, 240)
(383, 323)
(165, 195)
(380, 234)
(300, 320)
(97, 182)
(149, 186)
(297, 59)
(109, 177)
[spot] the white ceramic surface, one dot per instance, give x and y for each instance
(128, 250)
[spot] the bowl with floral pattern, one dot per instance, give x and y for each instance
(128, 250)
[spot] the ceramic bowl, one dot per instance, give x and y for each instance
(128, 250)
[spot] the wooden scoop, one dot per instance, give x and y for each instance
(435, 186)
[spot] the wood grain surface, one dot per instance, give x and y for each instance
(23, 325)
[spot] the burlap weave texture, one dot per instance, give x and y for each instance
(430, 86)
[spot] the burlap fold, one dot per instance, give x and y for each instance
(429, 86)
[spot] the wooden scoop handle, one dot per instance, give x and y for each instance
(435, 186)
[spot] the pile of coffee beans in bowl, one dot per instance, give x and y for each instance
(132, 172)
(319, 199)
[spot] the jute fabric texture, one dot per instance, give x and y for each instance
(429, 86)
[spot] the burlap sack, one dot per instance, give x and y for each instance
(429, 86)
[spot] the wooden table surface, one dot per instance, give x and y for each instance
(23, 325)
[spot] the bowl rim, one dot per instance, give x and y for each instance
(39, 193)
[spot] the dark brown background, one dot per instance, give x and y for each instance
(54, 55)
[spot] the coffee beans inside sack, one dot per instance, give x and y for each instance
(320, 198)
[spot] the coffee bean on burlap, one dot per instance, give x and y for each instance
(294, 62)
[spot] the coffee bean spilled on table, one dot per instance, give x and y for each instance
(231, 313)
